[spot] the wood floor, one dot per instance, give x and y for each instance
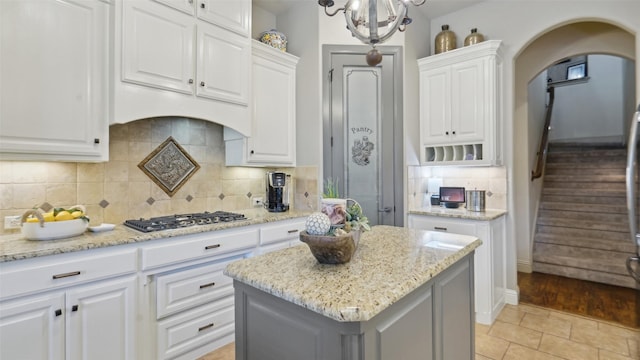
(606, 302)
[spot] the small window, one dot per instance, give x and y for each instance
(576, 72)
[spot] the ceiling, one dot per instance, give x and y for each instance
(431, 9)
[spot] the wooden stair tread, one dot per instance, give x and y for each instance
(582, 229)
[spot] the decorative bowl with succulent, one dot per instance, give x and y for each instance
(335, 243)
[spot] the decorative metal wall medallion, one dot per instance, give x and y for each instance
(169, 166)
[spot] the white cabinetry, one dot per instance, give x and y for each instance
(183, 58)
(281, 235)
(54, 90)
(193, 312)
(273, 108)
(71, 306)
(490, 258)
(460, 106)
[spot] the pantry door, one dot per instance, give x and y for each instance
(362, 131)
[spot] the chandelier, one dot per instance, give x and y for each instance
(374, 21)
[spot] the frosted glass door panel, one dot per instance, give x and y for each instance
(362, 116)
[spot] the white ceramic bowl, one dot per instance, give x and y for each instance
(54, 229)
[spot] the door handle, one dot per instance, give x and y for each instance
(386, 209)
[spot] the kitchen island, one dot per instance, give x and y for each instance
(405, 294)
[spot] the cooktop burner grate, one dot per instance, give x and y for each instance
(182, 220)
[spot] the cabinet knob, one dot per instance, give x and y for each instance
(74, 308)
(190, 81)
(446, 133)
(202, 5)
(251, 152)
(201, 83)
(58, 312)
(96, 141)
(453, 132)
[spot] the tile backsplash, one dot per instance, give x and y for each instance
(118, 190)
(491, 179)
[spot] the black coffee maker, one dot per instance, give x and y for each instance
(277, 191)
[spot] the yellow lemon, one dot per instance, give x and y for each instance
(48, 217)
(32, 220)
(64, 215)
(76, 214)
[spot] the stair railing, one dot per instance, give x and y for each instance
(544, 140)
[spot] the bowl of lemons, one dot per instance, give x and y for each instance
(58, 223)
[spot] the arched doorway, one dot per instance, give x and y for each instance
(576, 38)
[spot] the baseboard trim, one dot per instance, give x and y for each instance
(524, 266)
(511, 296)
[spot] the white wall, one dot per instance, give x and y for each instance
(592, 109)
(537, 99)
(518, 24)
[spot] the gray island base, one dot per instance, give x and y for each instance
(406, 294)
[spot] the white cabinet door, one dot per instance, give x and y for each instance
(274, 128)
(233, 15)
(158, 46)
(468, 99)
(54, 90)
(273, 112)
(102, 318)
(33, 328)
(435, 105)
(223, 65)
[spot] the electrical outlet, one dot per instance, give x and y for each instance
(12, 222)
(257, 201)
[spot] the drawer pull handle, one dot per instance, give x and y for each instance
(205, 327)
(58, 312)
(212, 247)
(74, 308)
(293, 231)
(440, 228)
(69, 274)
(207, 285)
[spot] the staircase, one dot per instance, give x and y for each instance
(582, 229)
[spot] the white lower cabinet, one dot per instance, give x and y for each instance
(161, 299)
(192, 300)
(75, 316)
(490, 276)
(281, 235)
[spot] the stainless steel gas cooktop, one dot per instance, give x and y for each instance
(182, 220)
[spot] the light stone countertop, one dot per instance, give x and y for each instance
(389, 263)
(460, 213)
(16, 247)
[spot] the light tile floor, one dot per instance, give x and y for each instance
(531, 332)
(526, 332)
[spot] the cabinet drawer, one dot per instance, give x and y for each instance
(49, 272)
(186, 289)
(288, 230)
(434, 223)
(198, 246)
(184, 332)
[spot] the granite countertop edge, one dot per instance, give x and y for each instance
(460, 213)
(308, 284)
(16, 247)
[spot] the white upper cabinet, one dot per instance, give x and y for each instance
(460, 99)
(54, 68)
(273, 108)
(174, 58)
(232, 15)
